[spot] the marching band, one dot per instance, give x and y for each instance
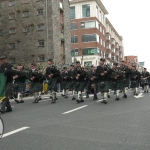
(77, 79)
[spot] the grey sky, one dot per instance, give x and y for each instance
(131, 19)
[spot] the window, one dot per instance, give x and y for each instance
(89, 24)
(108, 46)
(12, 46)
(26, 14)
(74, 39)
(72, 12)
(41, 43)
(90, 51)
(26, 29)
(102, 19)
(104, 43)
(113, 42)
(12, 60)
(103, 32)
(107, 37)
(97, 12)
(85, 11)
(100, 28)
(74, 52)
(25, 1)
(1, 32)
(12, 16)
(1, 17)
(12, 31)
(40, 12)
(87, 63)
(41, 27)
(41, 58)
(89, 38)
(73, 26)
(11, 2)
(0, 4)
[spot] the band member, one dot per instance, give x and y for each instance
(87, 82)
(116, 77)
(126, 78)
(135, 76)
(80, 80)
(144, 79)
(52, 74)
(65, 82)
(103, 80)
(71, 74)
(36, 84)
(93, 82)
(6, 68)
(19, 84)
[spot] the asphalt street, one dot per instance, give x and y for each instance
(66, 125)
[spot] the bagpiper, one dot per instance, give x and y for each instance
(135, 76)
(35, 78)
(126, 78)
(19, 84)
(80, 75)
(103, 79)
(87, 82)
(52, 74)
(144, 79)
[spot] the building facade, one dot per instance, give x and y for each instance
(89, 30)
(131, 60)
(35, 30)
(114, 44)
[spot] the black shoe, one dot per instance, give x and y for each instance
(147, 91)
(21, 101)
(62, 95)
(73, 98)
(40, 98)
(82, 100)
(120, 91)
(35, 100)
(104, 102)
(136, 94)
(108, 96)
(65, 96)
(124, 96)
(78, 101)
(144, 91)
(2, 111)
(17, 101)
(87, 96)
(8, 110)
(117, 99)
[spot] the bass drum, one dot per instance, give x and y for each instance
(1, 128)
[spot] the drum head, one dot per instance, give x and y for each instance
(1, 127)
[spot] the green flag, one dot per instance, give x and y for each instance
(2, 86)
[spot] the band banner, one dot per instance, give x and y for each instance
(2, 86)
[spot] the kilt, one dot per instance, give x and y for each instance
(79, 86)
(126, 83)
(36, 87)
(134, 84)
(19, 87)
(109, 84)
(72, 85)
(65, 84)
(116, 85)
(104, 88)
(52, 84)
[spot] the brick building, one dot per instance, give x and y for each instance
(131, 60)
(35, 30)
(89, 29)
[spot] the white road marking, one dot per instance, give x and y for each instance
(100, 100)
(15, 131)
(139, 96)
(74, 109)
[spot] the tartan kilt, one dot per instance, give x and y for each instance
(65, 85)
(79, 86)
(134, 84)
(104, 88)
(36, 87)
(118, 86)
(19, 87)
(109, 84)
(71, 85)
(52, 84)
(126, 83)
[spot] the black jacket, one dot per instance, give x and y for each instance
(21, 76)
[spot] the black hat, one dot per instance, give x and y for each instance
(19, 65)
(33, 64)
(77, 62)
(115, 64)
(3, 57)
(145, 68)
(64, 67)
(71, 65)
(102, 59)
(92, 66)
(50, 60)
